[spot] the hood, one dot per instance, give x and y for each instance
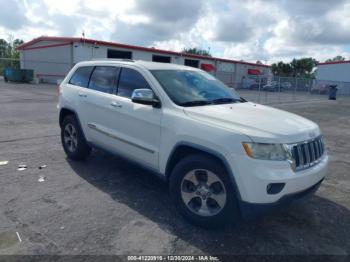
(262, 124)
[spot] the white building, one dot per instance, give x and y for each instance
(334, 71)
(52, 57)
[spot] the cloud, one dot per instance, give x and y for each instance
(182, 11)
(310, 8)
(65, 24)
(282, 30)
(320, 25)
(251, 30)
(241, 21)
(157, 20)
(233, 29)
(12, 15)
(320, 30)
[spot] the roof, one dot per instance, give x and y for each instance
(146, 64)
(335, 62)
(70, 40)
(163, 66)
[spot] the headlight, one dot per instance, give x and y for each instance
(277, 152)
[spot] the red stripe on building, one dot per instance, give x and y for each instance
(335, 62)
(46, 46)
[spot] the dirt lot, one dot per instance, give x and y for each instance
(108, 206)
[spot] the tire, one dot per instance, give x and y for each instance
(201, 210)
(77, 148)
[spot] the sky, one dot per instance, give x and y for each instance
(249, 30)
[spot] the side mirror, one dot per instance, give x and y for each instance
(145, 97)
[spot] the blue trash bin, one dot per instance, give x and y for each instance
(332, 92)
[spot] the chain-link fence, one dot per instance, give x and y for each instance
(321, 87)
(226, 77)
(276, 89)
(257, 88)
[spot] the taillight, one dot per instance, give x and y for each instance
(58, 89)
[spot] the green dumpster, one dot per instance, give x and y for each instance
(18, 75)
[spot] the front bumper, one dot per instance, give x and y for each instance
(249, 210)
(253, 176)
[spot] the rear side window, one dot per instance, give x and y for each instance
(103, 79)
(129, 81)
(81, 76)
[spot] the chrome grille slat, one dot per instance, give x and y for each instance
(317, 155)
(313, 155)
(307, 153)
(319, 147)
(301, 156)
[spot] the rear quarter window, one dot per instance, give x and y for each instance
(81, 76)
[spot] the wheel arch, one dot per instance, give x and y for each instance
(184, 149)
(64, 112)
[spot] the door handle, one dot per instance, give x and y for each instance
(82, 95)
(116, 104)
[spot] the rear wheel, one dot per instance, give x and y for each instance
(73, 140)
(202, 191)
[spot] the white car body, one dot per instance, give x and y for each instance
(149, 135)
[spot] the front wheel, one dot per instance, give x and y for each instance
(202, 191)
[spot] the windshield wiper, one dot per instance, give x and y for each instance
(243, 100)
(196, 103)
(225, 100)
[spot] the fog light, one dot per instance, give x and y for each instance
(274, 188)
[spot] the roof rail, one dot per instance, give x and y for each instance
(113, 59)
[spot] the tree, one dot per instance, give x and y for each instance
(336, 59)
(14, 45)
(259, 62)
(303, 67)
(296, 68)
(196, 51)
(282, 69)
(4, 48)
(8, 49)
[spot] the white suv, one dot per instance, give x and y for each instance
(221, 155)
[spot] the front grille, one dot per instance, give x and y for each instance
(308, 153)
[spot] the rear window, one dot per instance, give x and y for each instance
(81, 76)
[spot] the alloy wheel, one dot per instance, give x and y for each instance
(203, 192)
(70, 137)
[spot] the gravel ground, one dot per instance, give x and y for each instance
(108, 206)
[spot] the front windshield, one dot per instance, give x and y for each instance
(194, 88)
